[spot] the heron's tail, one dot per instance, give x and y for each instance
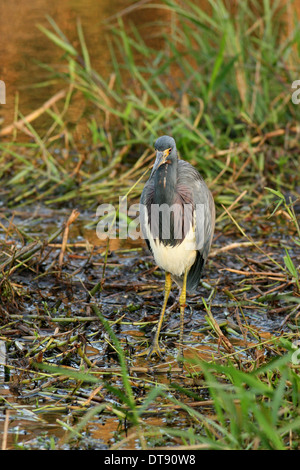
(194, 275)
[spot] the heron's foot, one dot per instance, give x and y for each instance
(153, 349)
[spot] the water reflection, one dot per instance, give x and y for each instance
(23, 45)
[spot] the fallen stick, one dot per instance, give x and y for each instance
(255, 273)
(231, 246)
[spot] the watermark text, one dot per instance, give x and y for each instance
(2, 92)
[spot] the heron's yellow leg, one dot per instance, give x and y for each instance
(155, 348)
(182, 300)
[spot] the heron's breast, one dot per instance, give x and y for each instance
(174, 259)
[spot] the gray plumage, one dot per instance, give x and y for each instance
(178, 185)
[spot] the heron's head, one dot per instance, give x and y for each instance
(165, 148)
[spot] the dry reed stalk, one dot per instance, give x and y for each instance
(32, 116)
(256, 273)
(75, 213)
(231, 246)
(5, 431)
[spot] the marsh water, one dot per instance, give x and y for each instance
(24, 47)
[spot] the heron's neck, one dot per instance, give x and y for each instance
(165, 183)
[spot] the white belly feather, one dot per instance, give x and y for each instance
(173, 259)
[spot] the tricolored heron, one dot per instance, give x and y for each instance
(177, 215)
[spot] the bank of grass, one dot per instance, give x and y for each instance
(221, 85)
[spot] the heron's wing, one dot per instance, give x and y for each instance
(204, 218)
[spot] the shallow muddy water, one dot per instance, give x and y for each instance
(24, 46)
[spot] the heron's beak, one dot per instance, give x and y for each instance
(161, 159)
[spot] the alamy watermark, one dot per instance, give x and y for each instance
(165, 222)
(296, 354)
(2, 92)
(296, 93)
